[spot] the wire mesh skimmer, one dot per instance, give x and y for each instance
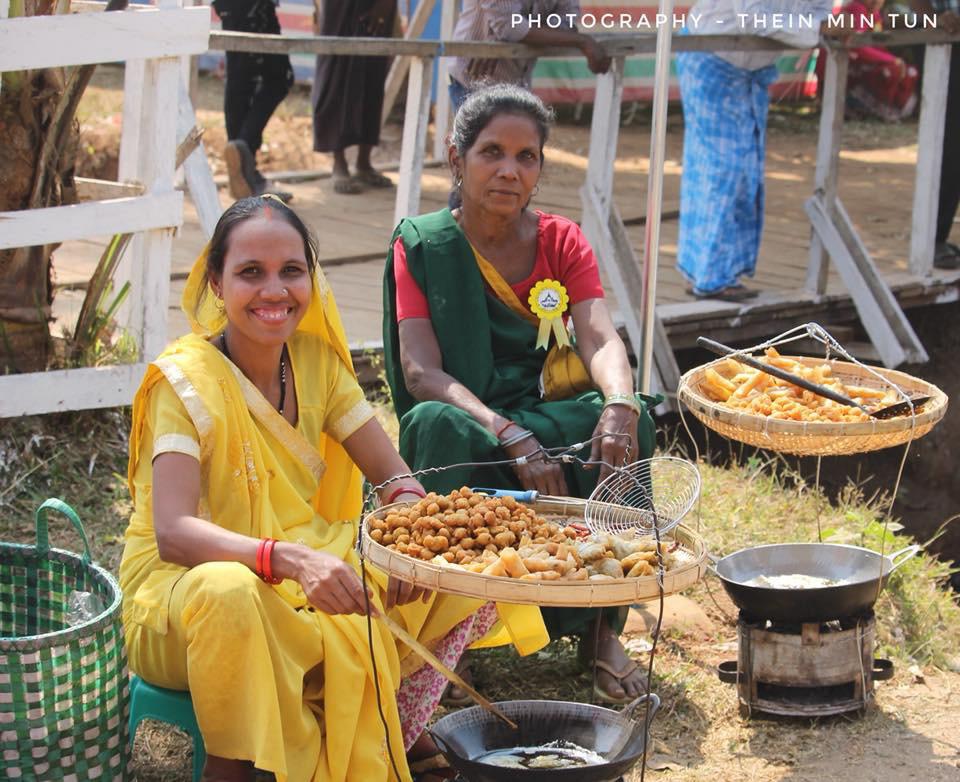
(646, 495)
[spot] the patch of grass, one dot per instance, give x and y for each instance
(78, 457)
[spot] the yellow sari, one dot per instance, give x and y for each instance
(272, 680)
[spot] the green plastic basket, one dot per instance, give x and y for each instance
(64, 690)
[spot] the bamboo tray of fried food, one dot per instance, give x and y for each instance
(769, 413)
(681, 547)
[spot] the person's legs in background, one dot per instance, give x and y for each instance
(255, 86)
(947, 254)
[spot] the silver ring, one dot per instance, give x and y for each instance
(285, 292)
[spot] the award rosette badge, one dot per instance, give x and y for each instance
(548, 301)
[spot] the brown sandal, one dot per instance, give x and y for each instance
(605, 697)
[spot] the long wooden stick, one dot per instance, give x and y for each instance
(450, 675)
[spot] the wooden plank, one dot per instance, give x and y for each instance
(35, 393)
(133, 75)
(158, 152)
(196, 168)
(400, 66)
(926, 191)
(320, 44)
(597, 189)
(605, 131)
(4, 10)
(104, 190)
(898, 322)
(413, 147)
(871, 314)
(83, 39)
(616, 45)
(828, 158)
(665, 374)
(55, 224)
(617, 260)
(442, 112)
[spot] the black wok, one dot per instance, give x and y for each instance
(618, 736)
(857, 569)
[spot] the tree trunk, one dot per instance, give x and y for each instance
(26, 291)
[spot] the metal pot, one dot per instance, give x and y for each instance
(859, 571)
(620, 737)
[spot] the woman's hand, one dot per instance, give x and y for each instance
(618, 445)
(330, 584)
(399, 593)
(597, 59)
(546, 477)
(375, 20)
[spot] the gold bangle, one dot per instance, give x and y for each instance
(630, 400)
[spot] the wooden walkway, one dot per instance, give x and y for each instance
(876, 187)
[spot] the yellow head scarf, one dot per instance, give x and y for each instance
(322, 319)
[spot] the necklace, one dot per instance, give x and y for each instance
(283, 368)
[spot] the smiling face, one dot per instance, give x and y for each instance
(266, 284)
(502, 167)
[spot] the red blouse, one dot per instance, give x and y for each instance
(563, 254)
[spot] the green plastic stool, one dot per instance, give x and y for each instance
(170, 706)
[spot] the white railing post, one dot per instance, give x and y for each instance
(158, 37)
(413, 145)
(828, 159)
(933, 112)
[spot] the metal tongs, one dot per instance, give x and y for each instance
(890, 411)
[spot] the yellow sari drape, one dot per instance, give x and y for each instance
(272, 680)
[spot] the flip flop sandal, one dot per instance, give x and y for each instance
(435, 766)
(604, 696)
(947, 256)
(732, 293)
(373, 178)
(347, 185)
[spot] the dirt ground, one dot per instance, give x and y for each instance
(911, 732)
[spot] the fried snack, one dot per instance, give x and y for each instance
(502, 537)
(743, 388)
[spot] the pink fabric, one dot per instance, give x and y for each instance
(563, 254)
(420, 693)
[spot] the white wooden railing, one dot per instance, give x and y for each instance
(158, 37)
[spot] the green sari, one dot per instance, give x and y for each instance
(492, 351)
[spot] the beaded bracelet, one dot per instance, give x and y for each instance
(265, 561)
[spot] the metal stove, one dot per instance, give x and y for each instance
(805, 670)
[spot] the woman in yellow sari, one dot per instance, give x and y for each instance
(240, 575)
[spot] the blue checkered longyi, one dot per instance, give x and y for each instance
(721, 192)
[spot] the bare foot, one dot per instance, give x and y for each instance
(427, 762)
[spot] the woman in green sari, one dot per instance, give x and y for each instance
(476, 302)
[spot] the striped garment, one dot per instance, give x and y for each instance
(722, 191)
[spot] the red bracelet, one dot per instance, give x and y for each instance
(259, 566)
(503, 428)
(404, 490)
(265, 561)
